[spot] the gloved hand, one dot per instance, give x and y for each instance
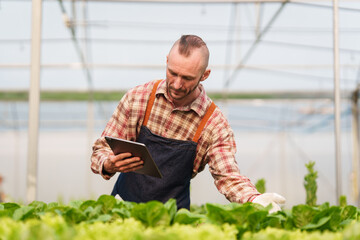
(270, 198)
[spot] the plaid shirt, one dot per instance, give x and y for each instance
(216, 145)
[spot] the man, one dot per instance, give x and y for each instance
(183, 130)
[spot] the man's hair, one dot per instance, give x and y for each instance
(187, 43)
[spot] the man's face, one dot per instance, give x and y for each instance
(183, 75)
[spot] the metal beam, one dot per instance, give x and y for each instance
(337, 109)
(196, 1)
(264, 67)
(233, 94)
(34, 102)
(119, 41)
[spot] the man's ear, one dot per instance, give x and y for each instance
(205, 75)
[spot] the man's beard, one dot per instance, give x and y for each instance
(180, 91)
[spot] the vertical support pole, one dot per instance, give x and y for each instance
(34, 101)
(355, 135)
(91, 101)
(258, 19)
(338, 168)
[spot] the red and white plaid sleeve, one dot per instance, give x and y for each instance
(116, 127)
(124, 123)
(222, 164)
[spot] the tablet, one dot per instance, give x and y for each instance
(118, 146)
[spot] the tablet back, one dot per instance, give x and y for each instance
(118, 146)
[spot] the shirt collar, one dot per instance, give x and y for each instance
(199, 105)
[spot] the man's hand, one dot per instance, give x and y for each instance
(123, 162)
(270, 198)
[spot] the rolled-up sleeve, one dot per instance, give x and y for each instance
(116, 127)
(101, 151)
(224, 168)
(124, 123)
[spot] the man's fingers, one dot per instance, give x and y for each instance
(132, 169)
(124, 162)
(120, 157)
(128, 161)
(130, 164)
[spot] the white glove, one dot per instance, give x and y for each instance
(270, 198)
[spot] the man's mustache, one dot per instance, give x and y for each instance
(177, 90)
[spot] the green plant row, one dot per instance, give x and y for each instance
(241, 221)
(55, 227)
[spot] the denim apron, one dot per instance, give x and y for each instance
(174, 158)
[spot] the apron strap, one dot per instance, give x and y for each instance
(150, 103)
(202, 124)
(204, 120)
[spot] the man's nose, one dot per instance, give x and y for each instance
(178, 82)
